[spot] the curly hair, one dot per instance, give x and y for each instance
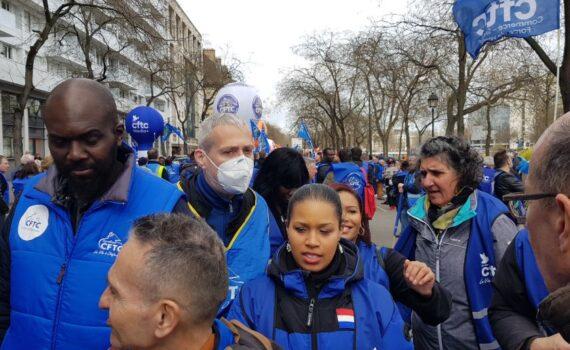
(459, 155)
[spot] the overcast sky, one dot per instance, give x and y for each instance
(262, 32)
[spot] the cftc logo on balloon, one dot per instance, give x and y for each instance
(138, 125)
(144, 124)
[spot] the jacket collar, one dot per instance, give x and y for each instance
(293, 280)
(466, 212)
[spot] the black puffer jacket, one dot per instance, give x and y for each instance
(506, 183)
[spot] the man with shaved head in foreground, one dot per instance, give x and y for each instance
(69, 224)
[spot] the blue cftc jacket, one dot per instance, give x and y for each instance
(346, 312)
(58, 273)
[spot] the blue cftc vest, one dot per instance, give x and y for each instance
(247, 253)
(156, 169)
(173, 172)
(480, 264)
(57, 276)
(535, 287)
(488, 183)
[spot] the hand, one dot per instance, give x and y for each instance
(555, 342)
(401, 188)
(419, 277)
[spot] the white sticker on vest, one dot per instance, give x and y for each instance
(34, 222)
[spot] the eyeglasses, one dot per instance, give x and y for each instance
(518, 203)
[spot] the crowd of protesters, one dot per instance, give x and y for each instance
(229, 248)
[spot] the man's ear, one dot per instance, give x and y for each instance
(168, 317)
(120, 133)
(200, 157)
(563, 224)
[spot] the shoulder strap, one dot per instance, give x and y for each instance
(248, 338)
(380, 254)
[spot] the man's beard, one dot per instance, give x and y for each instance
(87, 189)
(91, 187)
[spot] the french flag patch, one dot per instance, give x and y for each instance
(345, 318)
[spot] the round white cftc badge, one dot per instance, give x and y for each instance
(34, 222)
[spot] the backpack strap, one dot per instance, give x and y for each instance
(246, 338)
(380, 254)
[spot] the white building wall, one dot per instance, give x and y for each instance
(127, 79)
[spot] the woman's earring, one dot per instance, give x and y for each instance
(288, 247)
(340, 248)
(361, 231)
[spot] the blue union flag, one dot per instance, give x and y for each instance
(484, 21)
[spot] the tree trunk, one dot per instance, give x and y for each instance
(450, 127)
(400, 143)
(523, 121)
(489, 131)
(407, 131)
(462, 88)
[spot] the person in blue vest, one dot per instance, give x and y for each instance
(70, 223)
(548, 218)
(519, 289)
(219, 192)
(173, 169)
(488, 182)
(347, 172)
(325, 163)
(282, 173)
(380, 168)
(166, 286)
(4, 186)
(409, 191)
(411, 283)
(314, 294)
(461, 234)
(155, 166)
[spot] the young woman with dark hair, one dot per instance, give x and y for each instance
(314, 295)
(411, 283)
(282, 172)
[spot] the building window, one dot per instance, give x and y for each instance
(6, 6)
(159, 105)
(6, 51)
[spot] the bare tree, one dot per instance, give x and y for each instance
(51, 18)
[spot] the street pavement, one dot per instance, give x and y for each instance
(382, 225)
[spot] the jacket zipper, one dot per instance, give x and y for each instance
(437, 260)
(310, 320)
(61, 279)
(437, 277)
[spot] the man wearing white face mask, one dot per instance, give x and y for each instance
(219, 193)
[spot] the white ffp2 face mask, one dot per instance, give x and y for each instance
(235, 174)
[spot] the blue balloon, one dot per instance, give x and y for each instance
(144, 124)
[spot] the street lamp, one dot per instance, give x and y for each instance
(432, 103)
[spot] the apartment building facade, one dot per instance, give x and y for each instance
(116, 58)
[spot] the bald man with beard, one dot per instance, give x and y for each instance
(70, 223)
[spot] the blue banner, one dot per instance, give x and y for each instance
(171, 129)
(304, 134)
(264, 145)
(485, 21)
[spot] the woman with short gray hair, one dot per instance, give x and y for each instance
(461, 233)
